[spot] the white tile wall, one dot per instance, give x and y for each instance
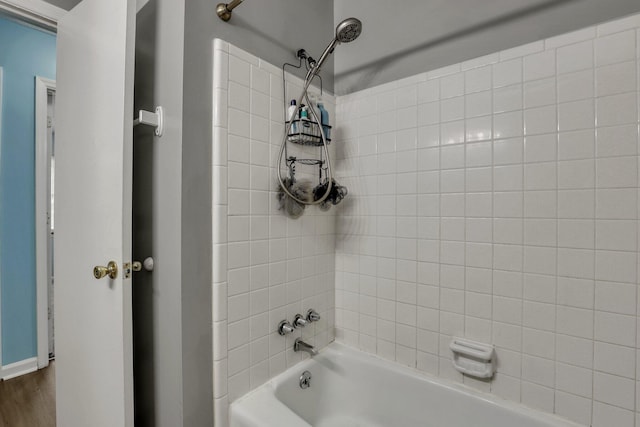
(498, 200)
(266, 267)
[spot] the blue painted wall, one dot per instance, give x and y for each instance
(25, 52)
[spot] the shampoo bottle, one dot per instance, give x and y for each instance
(324, 119)
(291, 114)
(304, 121)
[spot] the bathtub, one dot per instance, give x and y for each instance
(349, 388)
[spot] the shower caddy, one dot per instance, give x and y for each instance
(304, 131)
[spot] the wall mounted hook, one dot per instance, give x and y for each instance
(151, 119)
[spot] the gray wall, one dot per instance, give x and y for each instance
(273, 30)
(398, 42)
(158, 335)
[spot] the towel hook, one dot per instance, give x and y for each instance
(148, 118)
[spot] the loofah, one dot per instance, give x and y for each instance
(302, 190)
(337, 193)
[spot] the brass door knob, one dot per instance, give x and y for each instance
(110, 270)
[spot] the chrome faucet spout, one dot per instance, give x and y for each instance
(300, 345)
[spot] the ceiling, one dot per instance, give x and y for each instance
(403, 38)
(64, 4)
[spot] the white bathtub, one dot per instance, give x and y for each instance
(353, 389)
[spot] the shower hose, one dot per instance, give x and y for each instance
(304, 95)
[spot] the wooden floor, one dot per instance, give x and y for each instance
(29, 400)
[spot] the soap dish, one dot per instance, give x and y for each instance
(473, 358)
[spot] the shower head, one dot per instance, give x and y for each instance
(346, 31)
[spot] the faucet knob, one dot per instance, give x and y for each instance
(299, 322)
(312, 315)
(285, 327)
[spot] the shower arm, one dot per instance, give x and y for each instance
(305, 96)
(225, 11)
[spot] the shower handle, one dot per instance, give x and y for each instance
(312, 316)
(284, 327)
(299, 321)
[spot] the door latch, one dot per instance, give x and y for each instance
(130, 267)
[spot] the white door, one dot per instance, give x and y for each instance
(94, 109)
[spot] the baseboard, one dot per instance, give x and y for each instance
(17, 369)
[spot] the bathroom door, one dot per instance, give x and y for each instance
(94, 101)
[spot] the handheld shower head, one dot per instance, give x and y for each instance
(346, 31)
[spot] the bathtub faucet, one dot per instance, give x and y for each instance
(300, 345)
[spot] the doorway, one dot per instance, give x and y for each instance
(27, 389)
(51, 99)
(28, 60)
(45, 223)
